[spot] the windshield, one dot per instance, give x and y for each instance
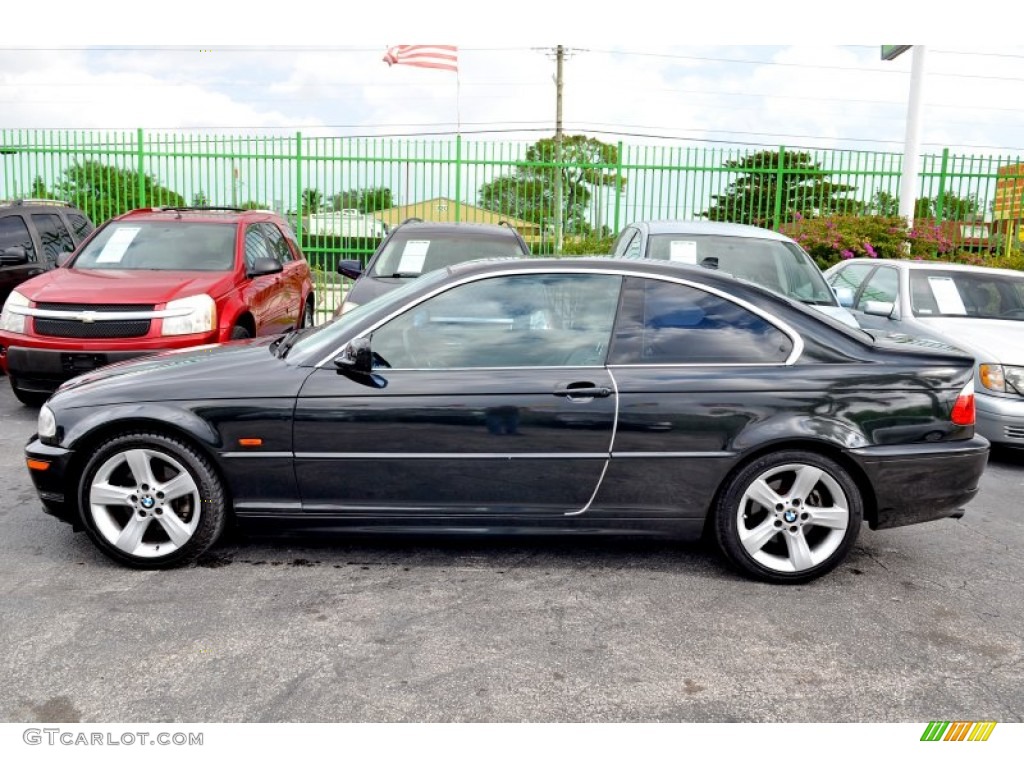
(777, 265)
(180, 245)
(332, 335)
(411, 254)
(956, 293)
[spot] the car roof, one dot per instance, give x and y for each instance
(931, 264)
(698, 227)
(463, 227)
(198, 213)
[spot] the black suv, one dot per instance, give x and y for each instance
(416, 246)
(33, 233)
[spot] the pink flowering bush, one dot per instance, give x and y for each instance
(830, 239)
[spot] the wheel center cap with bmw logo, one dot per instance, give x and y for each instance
(148, 502)
(790, 516)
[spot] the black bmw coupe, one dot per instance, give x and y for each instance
(592, 396)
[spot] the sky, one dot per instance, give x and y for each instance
(643, 73)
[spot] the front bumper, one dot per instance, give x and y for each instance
(52, 483)
(1000, 419)
(924, 481)
(43, 370)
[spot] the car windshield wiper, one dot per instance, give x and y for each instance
(286, 342)
(405, 274)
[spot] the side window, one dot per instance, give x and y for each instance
(883, 285)
(14, 232)
(278, 247)
(505, 322)
(664, 323)
(53, 235)
(255, 246)
(628, 236)
(850, 277)
(80, 226)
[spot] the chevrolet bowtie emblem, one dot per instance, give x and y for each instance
(87, 317)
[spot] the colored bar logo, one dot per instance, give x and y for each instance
(958, 731)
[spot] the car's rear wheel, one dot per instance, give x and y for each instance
(788, 517)
(26, 397)
(151, 501)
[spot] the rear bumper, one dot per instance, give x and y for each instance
(1000, 419)
(922, 482)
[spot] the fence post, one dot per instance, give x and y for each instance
(942, 186)
(458, 177)
(779, 176)
(618, 189)
(298, 185)
(140, 166)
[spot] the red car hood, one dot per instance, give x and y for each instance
(94, 286)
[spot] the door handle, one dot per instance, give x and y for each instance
(580, 390)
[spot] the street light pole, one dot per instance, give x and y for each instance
(912, 142)
(559, 58)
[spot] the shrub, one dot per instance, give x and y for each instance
(830, 239)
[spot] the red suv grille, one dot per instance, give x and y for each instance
(72, 328)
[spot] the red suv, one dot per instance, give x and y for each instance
(151, 280)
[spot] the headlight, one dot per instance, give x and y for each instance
(46, 426)
(1002, 378)
(11, 320)
(199, 315)
(348, 305)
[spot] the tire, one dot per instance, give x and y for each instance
(788, 517)
(307, 319)
(150, 501)
(240, 332)
(25, 397)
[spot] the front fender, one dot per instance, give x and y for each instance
(138, 414)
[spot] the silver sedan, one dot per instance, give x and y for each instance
(978, 309)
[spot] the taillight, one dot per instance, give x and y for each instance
(963, 408)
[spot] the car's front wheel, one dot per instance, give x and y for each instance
(788, 517)
(151, 501)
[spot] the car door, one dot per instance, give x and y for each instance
(263, 292)
(14, 233)
(693, 369)
(291, 277)
(489, 398)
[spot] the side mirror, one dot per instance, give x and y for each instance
(63, 258)
(351, 268)
(265, 265)
(356, 357)
(880, 308)
(13, 256)
(844, 295)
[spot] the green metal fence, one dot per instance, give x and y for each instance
(334, 189)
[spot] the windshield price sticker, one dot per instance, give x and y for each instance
(947, 297)
(413, 256)
(116, 246)
(683, 251)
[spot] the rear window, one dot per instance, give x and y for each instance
(157, 245)
(411, 254)
(773, 264)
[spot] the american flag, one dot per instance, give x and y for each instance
(429, 56)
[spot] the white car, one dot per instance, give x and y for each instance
(762, 256)
(978, 309)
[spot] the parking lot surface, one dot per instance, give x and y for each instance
(918, 624)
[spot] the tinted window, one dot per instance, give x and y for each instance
(53, 235)
(500, 322)
(80, 225)
(667, 323)
(410, 254)
(967, 294)
(14, 232)
(275, 240)
(189, 246)
(883, 285)
(255, 246)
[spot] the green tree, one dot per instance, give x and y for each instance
(312, 200)
(105, 191)
(529, 193)
(39, 190)
(802, 188)
(364, 200)
(254, 205)
(200, 200)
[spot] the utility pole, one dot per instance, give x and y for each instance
(559, 59)
(912, 142)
